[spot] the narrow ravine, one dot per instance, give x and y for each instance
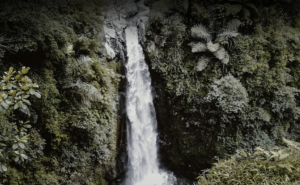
(143, 165)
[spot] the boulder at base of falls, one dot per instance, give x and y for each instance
(130, 8)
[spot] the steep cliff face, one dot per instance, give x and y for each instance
(225, 75)
(75, 123)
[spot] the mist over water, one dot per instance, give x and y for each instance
(143, 165)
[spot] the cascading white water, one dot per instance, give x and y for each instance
(143, 166)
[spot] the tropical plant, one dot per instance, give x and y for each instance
(280, 165)
(15, 91)
(226, 37)
(228, 94)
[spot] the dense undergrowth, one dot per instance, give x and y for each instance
(279, 165)
(72, 134)
(206, 106)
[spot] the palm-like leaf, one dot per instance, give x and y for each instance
(198, 47)
(200, 32)
(87, 92)
(202, 63)
(227, 34)
(225, 60)
(212, 47)
(220, 54)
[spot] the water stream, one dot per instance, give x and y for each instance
(143, 165)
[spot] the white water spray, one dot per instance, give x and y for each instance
(143, 166)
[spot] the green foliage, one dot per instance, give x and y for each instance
(229, 95)
(14, 137)
(256, 99)
(15, 91)
(275, 166)
(73, 135)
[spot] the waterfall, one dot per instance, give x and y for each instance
(143, 165)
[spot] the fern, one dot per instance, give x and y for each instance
(200, 32)
(227, 34)
(220, 54)
(202, 63)
(81, 68)
(87, 92)
(212, 47)
(225, 60)
(198, 47)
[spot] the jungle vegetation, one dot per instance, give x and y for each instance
(59, 119)
(226, 74)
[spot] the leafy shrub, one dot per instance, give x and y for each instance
(14, 91)
(281, 165)
(228, 94)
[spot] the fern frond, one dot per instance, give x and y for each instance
(225, 60)
(202, 63)
(200, 32)
(198, 47)
(227, 34)
(220, 54)
(212, 47)
(87, 92)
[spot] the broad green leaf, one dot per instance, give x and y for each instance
(24, 156)
(25, 70)
(282, 156)
(2, 144)
(15, 146)
(31, 91)
(2, 110)
(20, 104)
(17, 159)
(22, 145)
(26, 96)
(11, 70)
(27, 126)
(38, 95)
(27, 101)
(4, 104)
(19, 93)
(4, 168)
(15, 106)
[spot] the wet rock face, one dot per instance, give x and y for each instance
(118, 16)
(130, 8)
